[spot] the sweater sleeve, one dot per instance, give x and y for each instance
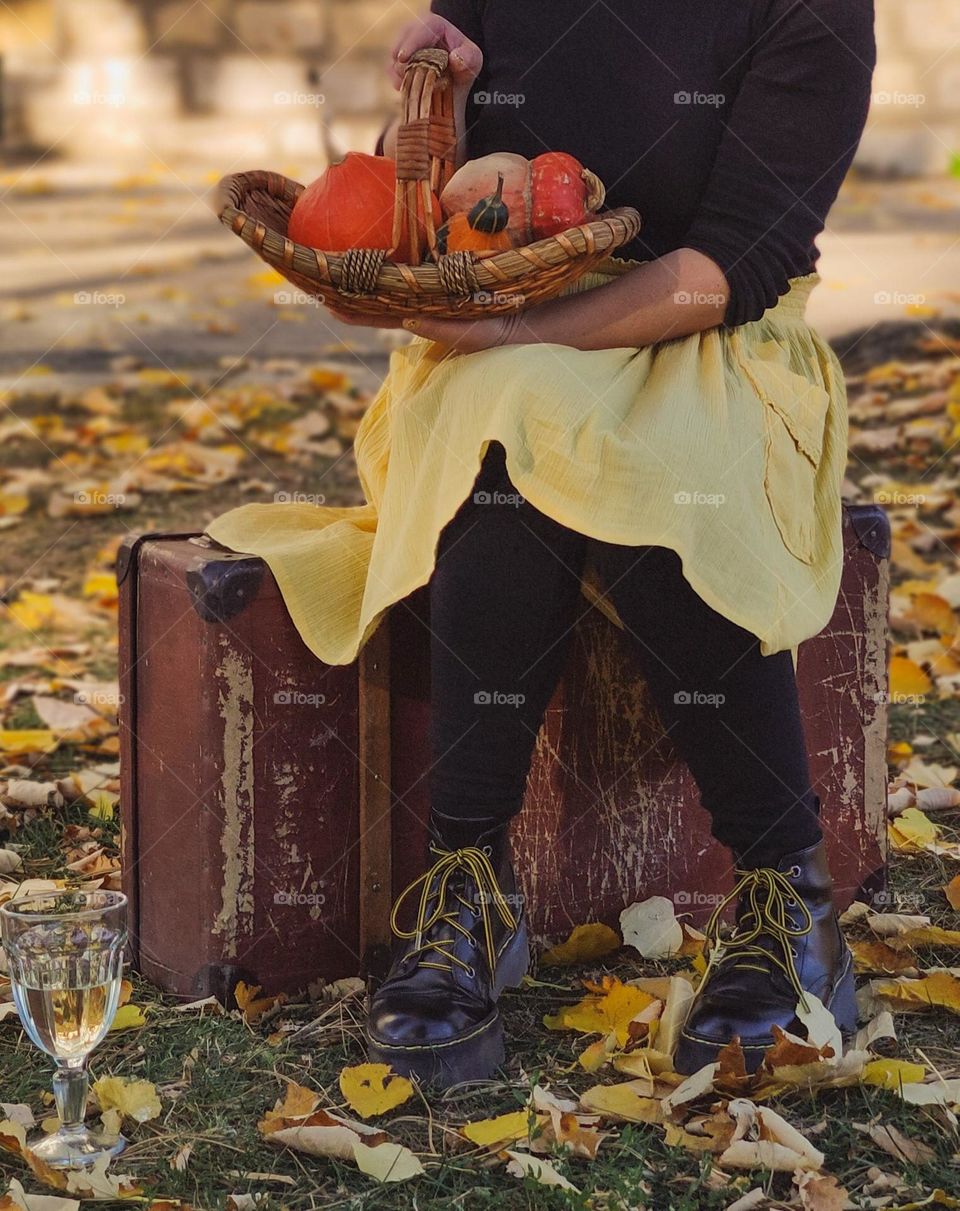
(790, 138)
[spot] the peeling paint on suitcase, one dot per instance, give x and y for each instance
(240, 778)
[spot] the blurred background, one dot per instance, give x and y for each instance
(153, 370)
(116, 116)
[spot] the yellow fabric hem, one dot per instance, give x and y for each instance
(605, 442)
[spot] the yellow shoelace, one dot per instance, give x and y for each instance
(435, 882)
(770, 895)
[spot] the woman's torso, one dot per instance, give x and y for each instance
(637, 90)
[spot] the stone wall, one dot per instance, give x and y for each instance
(914, 126)
(241, 82)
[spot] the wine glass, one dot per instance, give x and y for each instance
(65, 951)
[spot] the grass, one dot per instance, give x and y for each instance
(217, 1075)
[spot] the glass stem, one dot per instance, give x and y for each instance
(70, 1091)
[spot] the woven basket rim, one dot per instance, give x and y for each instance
(502, 269)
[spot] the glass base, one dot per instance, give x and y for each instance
(76, 1149)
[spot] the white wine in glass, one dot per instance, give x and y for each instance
(65, 952)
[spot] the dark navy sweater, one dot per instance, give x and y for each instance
(729, 124)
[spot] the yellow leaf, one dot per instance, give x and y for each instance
(952, 892)
(927, 935)
(298, 1103)
(386, 1162)
(907, 679)
(585, 942)
(939, 1198)
(931, 612)
(912, 831)
(253, 1007)
(625, 1101)
(25, 741)
(321, 378)
(102, 586)
(939, 988)
(891, 1074)
(593, 1058)
(505, 1128)
(878, 956)
(372, 1089)
(134, 1099)
(677, 1137)
(103, 805)
(128, 1017)
(266, 277)
(610, 1009)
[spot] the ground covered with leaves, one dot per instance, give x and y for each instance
(267, 1102)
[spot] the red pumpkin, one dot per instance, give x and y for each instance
(351, 206)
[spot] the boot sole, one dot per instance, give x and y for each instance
(473, 1056)
(694, 1053)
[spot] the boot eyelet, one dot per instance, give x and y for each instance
(794, 872)
(794, 954)
(488, 850)
(471, 972)
(791, 903)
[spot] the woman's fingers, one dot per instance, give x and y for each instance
(364, 320)
(466, 58)
(466, 336)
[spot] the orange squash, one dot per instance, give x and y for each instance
(483, 230)
(351, 206)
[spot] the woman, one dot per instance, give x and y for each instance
(671, 427)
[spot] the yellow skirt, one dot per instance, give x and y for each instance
(728, 446)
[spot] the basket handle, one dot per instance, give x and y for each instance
(426, 150)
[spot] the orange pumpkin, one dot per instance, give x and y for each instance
(351, 206)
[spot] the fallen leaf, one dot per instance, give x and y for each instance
(522, 1164)
(252, 1006)
(386, 1162)
(651, 927)
(585, 942)
(609, 1008)
(820, 1192)
(137, 1100)
(128, 1017)
(898, 1145)
(626, 1102)
(505, 1128)
(905, 995)
(892, 1074)
(372, 1089)
(907, 679)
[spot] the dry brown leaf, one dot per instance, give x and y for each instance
(896, 1144)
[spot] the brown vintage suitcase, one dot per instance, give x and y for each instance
(243, 758)
(265, 837)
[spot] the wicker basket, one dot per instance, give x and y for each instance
(257, 205)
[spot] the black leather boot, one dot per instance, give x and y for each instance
(786, 942)
(435, 1015)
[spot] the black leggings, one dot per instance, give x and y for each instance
(504, 598)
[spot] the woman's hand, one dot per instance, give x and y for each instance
(465, 336)
(677, 295)
(470, 336)
(466, 58)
